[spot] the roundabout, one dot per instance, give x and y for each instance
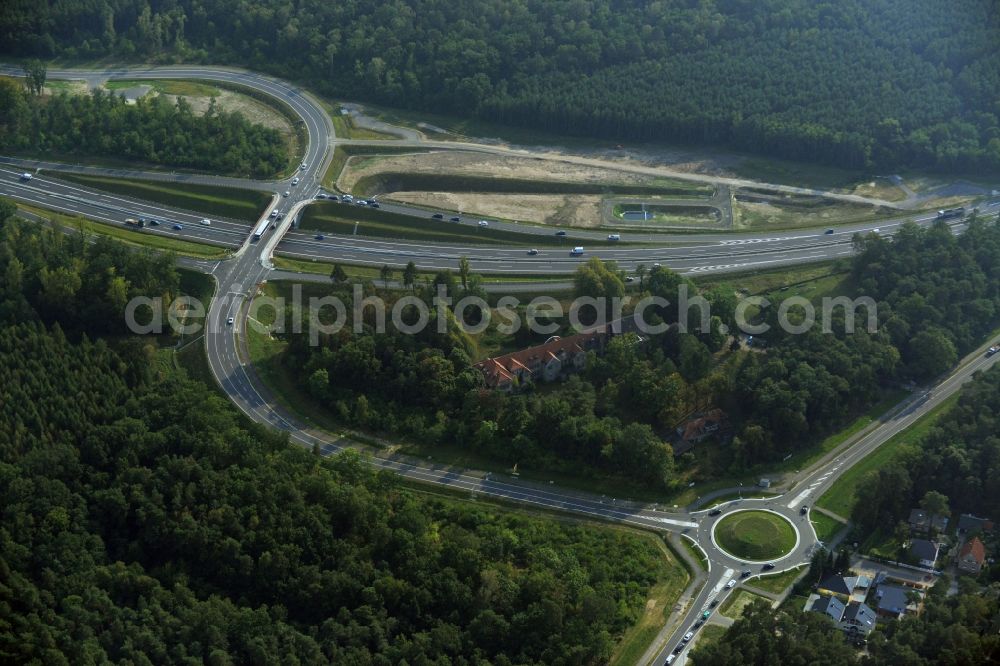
(755, 535)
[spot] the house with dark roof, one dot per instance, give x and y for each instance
(923, 523)
(968, 524)
(924, 552)
(972, 556)
(831, 606)
(858, 619)
(890, 601)
(855, 619)
(840, 586)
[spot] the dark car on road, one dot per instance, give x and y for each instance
(456, 219)
(560, 233)
(746, 574)
(438, 216)
(715, 512)
(767, 567)
(804, 510)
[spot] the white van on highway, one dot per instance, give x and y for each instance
(576, 251)
(614, 237)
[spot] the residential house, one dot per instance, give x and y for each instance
(891, 601)
(858, 619)
(924, 552)
(971, 556)
(698, 428)
(831, 606)
(546, 362)
(855, 619)
(968, 524)
(845, 587)
(922, 523)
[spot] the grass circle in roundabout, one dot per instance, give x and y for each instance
(755, 535)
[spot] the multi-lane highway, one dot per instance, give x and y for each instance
(249, 265)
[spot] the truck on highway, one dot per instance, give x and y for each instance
(134, 223)
(950, 212)
(576, 251)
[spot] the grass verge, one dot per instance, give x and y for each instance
(825, 526)
(343, 153)
(696, 553)
(755, 535)
(776, 583)
(246, 205)
(733, 606)
(709, 635)
(129, 236)
(840, 497)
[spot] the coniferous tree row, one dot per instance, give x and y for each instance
(857, 83)
(154, 131)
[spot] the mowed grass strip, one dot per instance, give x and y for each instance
(246, 205)
(739, 600)
(755, 535)
(337, 218)
(776, 583)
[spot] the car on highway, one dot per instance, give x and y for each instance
(614, 237)
(302, 166)
(698, 623)
(670, 659)
(230, 321)
(154, 223)
(287, 193)
(295, 181)
(993, 350)
(177, 227)
(629, 278)
(876, 230)
(679, 648)
(767, 567)
(334, 197)
(688, 636)
(560, 233)
(320, 195)
(348, 198)
(731, 584)
(361, 202)
(828, 232)
(373, 204)
(274, 213)
(715, 602)
(705, 615)
(438, 216)
(25, 176)
(715, 512)
(532, 252)
(205, 222)
(456, 219)
(484, 223)
(319, 236)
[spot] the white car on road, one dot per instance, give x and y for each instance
(295, 181)
(207, 222)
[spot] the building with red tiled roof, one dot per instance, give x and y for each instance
(971, 556)
(545, 362)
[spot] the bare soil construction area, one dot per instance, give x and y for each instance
(492, 166)
(252, 110)
(574, 210)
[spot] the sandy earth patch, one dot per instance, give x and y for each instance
(572, 210)
(494, 166)
(252, 110)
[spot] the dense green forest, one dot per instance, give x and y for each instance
(858, 83)
(936, 295)
(952, 631)
(959, 457)
(153, 130)
(143, 521)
